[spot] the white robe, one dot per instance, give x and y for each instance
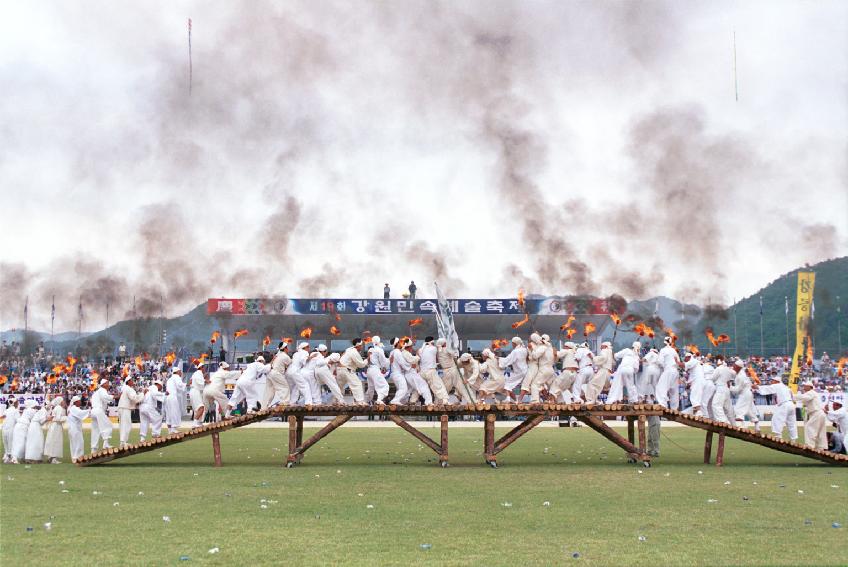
(75, 437)
(54, 448)
(35, 436)
(174, 401)
(12, 415)
(20, 434)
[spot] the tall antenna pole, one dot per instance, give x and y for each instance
(735, 80)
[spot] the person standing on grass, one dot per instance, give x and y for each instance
(12, 415)
(54, 448)
(19, 437)
(35, 436)
(836, 413)
(75, 438)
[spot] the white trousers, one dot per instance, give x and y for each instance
(245, 390)
(76, 441)
(401, 389)
(650, 376)
(301, 388)
(349, 379)
(667, 393)
(151, 419)
(101, 428)
(583, 376)
(380, 385)
(124, 425)
(707, 398)
(722, 407)
(325, 377)
(417, 384)
(783, 417)
(745, 406)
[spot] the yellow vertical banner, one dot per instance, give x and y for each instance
(806, 283)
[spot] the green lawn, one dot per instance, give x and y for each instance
(374, 496)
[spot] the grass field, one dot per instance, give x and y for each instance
(375, 496)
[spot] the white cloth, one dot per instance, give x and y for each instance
(75, 437)
(721, 404)
(148, 413)
(197, 383)
(174, 401)
(297, 379)
(377, 366)
(20, 433)
(399, 366)
(744, 406)
(54, 447)
(101, 425)
(12, 415)
(516, 360)
(247, 386)
(35, 436)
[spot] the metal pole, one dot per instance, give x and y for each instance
(786, 311)
(839, 324)
(735, 328)
(762, 344)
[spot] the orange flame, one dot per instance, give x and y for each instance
(641, 328)
(71, 363)
(840, 366)
(287, 340)
(266, 341)
(95, 381)
(366, 340)
(170, 357)
(215, 336)
(51, 379)
(139, 363)
(240, 333)
(202, 358)
(335, 331)
(522, 322)
(809, 352)
(671, 334)
(125, 371)
(570, 332)
(588, 328)
(59, 369)
(615, 318)
(415, 322)
(14, 385)
(710, 336)
(3, 380)
(752, 374)
(568, 323)
(521, 300)
(693, 349)
(723, 338)
(499, 343)
(306, 333)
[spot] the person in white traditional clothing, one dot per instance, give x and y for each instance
(744, 406)
(603, 362)
(19, 436)
(300, 386)
(815, 421)
(667, 392)
(561, 387)
(148, 410)
(349, 364)
(696, 382)
(128, 401)
(246, 385)
(413, 379)
(783, 414)
(197, 383)
(450, 373)
(175, 400)
(35, 436)
(378, 364)
(516, 361)
(496, 382)
(709, 388)
(721, 404)
(324, 375)
(54, 446)
(399, 366)
(101, 425)
(309, 372)
(470, 372)
(276, 386)
(75, 438)
(213, 392)
(429, 372)
(534, 353)
(11, 418)
(650, 375)
(585, 371)
(836, 413)
(626, 373)
(545, 373)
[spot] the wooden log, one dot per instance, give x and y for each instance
(708, 447)
(643, 445)
(416, 433)
(489, 438)
(720, 450)
(443, 452)
(216, 449)
(631, 429)
(517, 432)
(337, 422)
(292, 439)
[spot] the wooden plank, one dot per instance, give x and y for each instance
(292, 458)
(443, 453)
(417, 434)
(517, 432)
(720, 450)
(643, 441)
(326, 430)
(489, 438)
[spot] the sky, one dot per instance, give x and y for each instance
(322, 149)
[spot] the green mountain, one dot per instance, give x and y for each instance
(742, 321)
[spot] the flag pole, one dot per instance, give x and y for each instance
(839, 325)
(762, 344)
(52, 320)
(786, 310)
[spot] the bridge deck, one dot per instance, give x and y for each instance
(534, 414)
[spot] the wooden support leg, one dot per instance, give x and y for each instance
(720, 450)
(516, 432)
(633, 452)
(216, 449)
(643, 441)
(708, 447)
(299, 430)
(630, 430)
(292, 458)
(443, 454)
(489, 440)
(296, 455)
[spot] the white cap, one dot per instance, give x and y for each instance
(335, 357)
(535, 338)
(667, 340)
(176, 369)
(260, 359)
(546, 338)
(302, 345)
(223, 365)
(739, 362)
(487, 353)
(807, 383)
(200, 363)
(637, 345)
(375, 340)
(606, 344)
(322, 348)
(30, 403)
(104, 381)
(76, 399)
(441, 341)
(516, 340)
(568, 344)
(466, 356)
(56, 401)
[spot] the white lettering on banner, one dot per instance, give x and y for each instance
(472, 307)
(495, 305)
(225, 306)
(340, 306)
(454, 305)
(361, 305)
(382, 307)
(513, 304)
(428, 306)
(402, 306)
(313, 306)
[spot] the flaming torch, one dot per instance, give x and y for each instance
(170, 357)
(752, 374)
(139, 363)
(840, 366)
(335, 331)
(306, 333)
(498, 344)
(522, 322)
(588, 328)
(568, 323)
(415, 322)
(266, 341)
(710, 336)
(617, 320)
(671, 334)
(215, 336)
(240, 333)
(570, 332)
